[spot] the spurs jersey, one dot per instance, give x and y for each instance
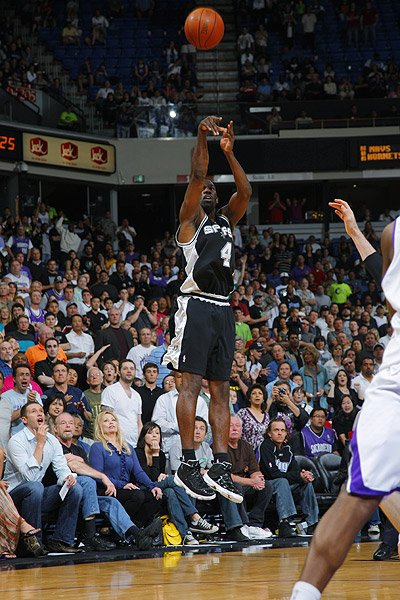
(209, 259)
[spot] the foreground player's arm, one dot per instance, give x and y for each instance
(373, 260)
(387, 254)
(191, 212)
(239, 201)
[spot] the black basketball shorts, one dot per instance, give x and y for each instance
(202, 338)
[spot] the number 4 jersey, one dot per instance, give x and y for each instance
(209, 259)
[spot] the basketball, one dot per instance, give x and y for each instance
(204, 28)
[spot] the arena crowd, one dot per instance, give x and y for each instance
(87, 406)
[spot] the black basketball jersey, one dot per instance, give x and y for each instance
(209, 259)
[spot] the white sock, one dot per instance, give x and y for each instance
(305, 591)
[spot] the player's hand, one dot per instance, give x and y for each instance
(343, 210)
(210, 124)
(227, 139)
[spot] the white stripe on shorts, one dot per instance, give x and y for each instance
(175, 348)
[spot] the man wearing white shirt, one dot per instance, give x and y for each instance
(82, 345)
(138, 354)
(364, 379)
(123, 305)
(18, 277)
(126, 230)
(125, 402)
(85, 305)
(164, 414)
(30, 452)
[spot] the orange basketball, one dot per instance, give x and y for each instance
(204, 28)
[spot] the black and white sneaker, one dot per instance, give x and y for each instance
(203, 526)
(189, 477)
(219, 479)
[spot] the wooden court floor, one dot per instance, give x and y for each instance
(255, 574)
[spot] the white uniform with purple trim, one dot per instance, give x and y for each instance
(375, 468)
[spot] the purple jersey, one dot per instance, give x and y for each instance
(315, 444)
(35, 318)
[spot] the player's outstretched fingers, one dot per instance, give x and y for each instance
(210, 124)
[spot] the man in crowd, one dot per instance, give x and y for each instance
(38, 352)
(20, 394)
(278, 465)
(149, 392)
(118, 340)
(125, 402)
(156, 356)
(251, 483)
(6, 355)
(140, 353)
(278, 355)
(318, 439)
(74, 397)
(43, 372)
(96, 318)
(22, 335)
(164, 413)
(364, 379)
(77, 461)
(30, 452)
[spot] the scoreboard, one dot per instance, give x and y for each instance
(370, 154)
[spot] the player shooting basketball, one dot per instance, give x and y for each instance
(202, 324)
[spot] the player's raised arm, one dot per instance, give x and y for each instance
(239, 201)
(190, 209)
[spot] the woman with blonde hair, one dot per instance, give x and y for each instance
(112, 455)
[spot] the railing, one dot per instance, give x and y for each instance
(271, 127)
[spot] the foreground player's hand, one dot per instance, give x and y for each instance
(343, 210)
(227, 139)
(210, 124)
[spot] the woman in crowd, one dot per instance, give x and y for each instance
(343, 420)
(315, 377)
(12, 291)
(339, 388)
(112, 455)
(254, 416)
(282, 332)
(179, 506)
(72, 376)
(335, 363)
(241, 365)
(324, 354)
(53, 406)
